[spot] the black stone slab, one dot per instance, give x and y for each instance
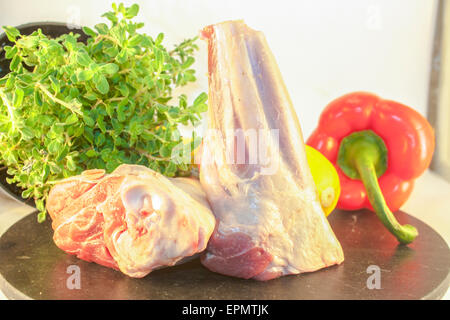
(31, 266)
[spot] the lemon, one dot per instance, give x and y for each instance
(325, 178)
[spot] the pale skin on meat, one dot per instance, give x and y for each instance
(135, 219)
(269, 224)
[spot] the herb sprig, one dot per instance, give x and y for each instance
(67, 106)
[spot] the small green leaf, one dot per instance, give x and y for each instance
(85, 75)
(18, 97)
(41, 215)
(15, 62)
(101, 123)
(83, 59)
(106, 154)
(92, 96)
(200, 108)
(112, 51)
(124, 89)
(165, 151)
(111, 17)
(88, 120)
(88, 31)
(71, 119)
(39, 204)
(171, 169)
(122, 56)
(11, 32)
(110, 110)
(100, 140)
(46, 120)
(202, 98)
(55, 84)
(91, 153)
(38, 98)
(132, 11)
(26, 193)
(109, 68)
(45, 172)
(71, 164)
(89, 134)
(28, 42)
(101, 84)
(102, 28)
(53, 147)
(135, 40)
(27, 133)
(159, 38)
(189, 61)
(121, 113)
(118, 32)
(10, 52)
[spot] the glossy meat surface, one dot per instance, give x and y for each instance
(134, 220)
(269, 220)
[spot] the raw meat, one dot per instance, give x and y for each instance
(135, 220)
(269, 220)
(77, 225)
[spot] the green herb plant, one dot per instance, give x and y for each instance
(67, 106)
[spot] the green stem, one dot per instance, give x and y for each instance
(404, 233)
(149, 156)
(363, 155)
(69, 106)
(9, 107)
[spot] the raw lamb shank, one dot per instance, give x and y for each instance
(269, 220)
(134, 219)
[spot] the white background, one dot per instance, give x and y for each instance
(325, 48)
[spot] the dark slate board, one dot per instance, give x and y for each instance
(31, 266)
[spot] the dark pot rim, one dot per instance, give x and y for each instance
(51, 28)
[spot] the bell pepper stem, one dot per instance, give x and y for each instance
(364, 164)
(363, 155)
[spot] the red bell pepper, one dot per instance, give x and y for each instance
(378, 147)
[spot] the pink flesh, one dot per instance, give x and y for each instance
(78, 225)
(237, 249)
